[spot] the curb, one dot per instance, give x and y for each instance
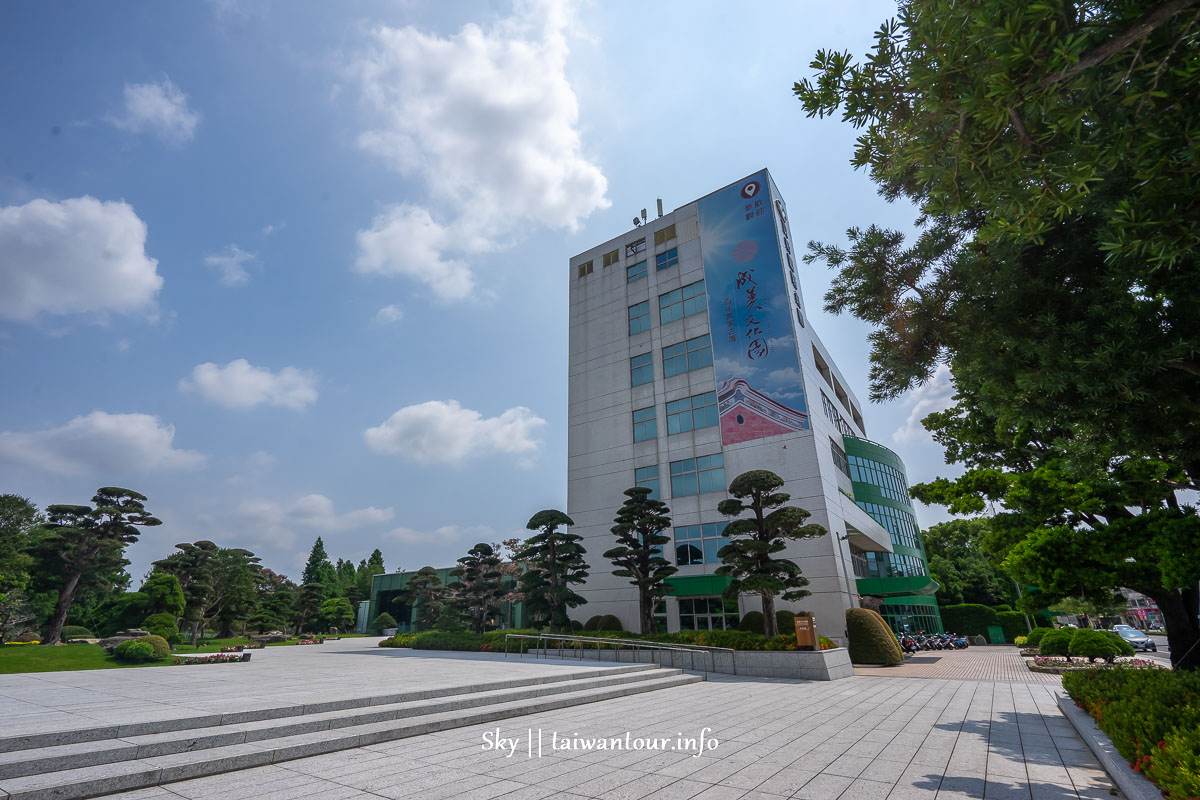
(1133, 785)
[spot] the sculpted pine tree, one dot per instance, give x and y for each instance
(555, 561)
(425, 593)
(308, 603)
(638, 554)
(79, 540)
(479, 590)
(753, 540)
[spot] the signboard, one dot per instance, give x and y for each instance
(759, 389)
(806, 631)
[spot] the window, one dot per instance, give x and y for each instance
(839, 456)
(692, 413)
(698, 475)
(668, 259)
(639, 317)
(891, 481)
(636, 247)
(612, 258)
(635, 272)
(585, 269)
(822, 367)
(660, 617)
(901, 524)
(835, 417)
(641, 369)
(699, 544)
(645, 426)
(681, 303)
(664, 235)
(894, 565)
(687, 356)
(858, 558)
(707, 614)
(648, 477)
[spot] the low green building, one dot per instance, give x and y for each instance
(387, 590)
(897, 584)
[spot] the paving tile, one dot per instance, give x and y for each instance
(824, 787)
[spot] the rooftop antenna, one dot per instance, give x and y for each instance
(643, 215)
(660, 206)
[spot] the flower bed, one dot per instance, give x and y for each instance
(216, 658)
(311, 641)
(254, 646)
(1053, 665)
(1030, 651)
(493, 641)
(1152, 718)
(237, 648)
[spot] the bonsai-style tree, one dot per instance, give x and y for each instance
(428, 595)
(337, 612)
(479, 590)
(308, 603)
(79, 540)
(638, 554)
(555, 561)
(753, 540)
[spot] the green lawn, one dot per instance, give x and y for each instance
(36, 658)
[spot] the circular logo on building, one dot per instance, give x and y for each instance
(751, 189)
(745, 251)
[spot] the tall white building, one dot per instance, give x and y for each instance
(691, 362)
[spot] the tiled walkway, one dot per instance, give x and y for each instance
(994, 663)
(864, 738)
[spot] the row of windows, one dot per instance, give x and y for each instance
(894, 565)
(688, 477)
(901, 524)
(672, 306)
(677, 359)
(911, 618)
(834, 416)
(690, 413)
(839, 458)
(635, 271)
(667, 258)
(707, 614)
(699, 544)
(889, 479)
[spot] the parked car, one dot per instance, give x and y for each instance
(1138, 640)
(1123, 628)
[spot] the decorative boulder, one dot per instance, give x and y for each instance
(117, 638)
(268, 638)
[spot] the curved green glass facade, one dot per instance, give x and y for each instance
(896, 584)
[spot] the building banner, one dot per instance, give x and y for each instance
(759, 389)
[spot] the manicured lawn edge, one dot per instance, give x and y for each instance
(1134, 785)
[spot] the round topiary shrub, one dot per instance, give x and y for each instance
(576, 625)
(592, 623)
(871, 641)
(1056, 642)
(1035, 636)
(1124, 648)
(609, 622)
(134, 651)
(163, 625)
(1092, 645)
(158, 644)
(785, 622)
(752, 623)
(384, 620)
(70, 632)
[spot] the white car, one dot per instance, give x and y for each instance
(1123, 628)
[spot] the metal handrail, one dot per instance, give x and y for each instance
(634, 644)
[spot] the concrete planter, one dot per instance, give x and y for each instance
(816, 665)
(1133, 785)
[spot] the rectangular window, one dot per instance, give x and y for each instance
(687, 356)
(698, 475)
(635, 272)
(707, 614)
(648, 477)
(634, 248)
(612, 258)
(641, 369)
(664, 235)
(645, 426)
(639, 317)
(699, 544)
(585, 269)
(839, 456)
(681, 303)
(692, 413)
(668, 259)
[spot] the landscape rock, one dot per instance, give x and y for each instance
(117, 638)
(269, 637)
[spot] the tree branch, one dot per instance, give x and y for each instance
(1190, 367)
(1139, 29)
(1023, 134)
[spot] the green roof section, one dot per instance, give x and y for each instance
(865, 448)
(915, 586)
(695, 585)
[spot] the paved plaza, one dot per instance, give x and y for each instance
(990, 663)
(881, 735)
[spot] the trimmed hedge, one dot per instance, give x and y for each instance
(1013, 623)
(785, 623)
(1035, 636)
(871, 641)
(753, 622)
(134, 651)
(969, 619)
(609, 622)
(494, 640)
(1152, 717)
(1056, 642)
(592, 623)
(70, 632)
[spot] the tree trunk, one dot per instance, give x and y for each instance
(66, 596)
(768, 605)
(195, 623)
(646, 612)
(226, 631)
(1183, 631)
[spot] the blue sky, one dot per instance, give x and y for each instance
(300, 269)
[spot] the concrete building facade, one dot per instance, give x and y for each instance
(692, 361)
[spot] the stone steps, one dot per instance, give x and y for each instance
(139, 758)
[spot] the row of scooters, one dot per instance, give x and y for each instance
(912, 642)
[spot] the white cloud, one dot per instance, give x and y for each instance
(232, 263)
(239, 384)
(160, 109)
(276, 523)
(76, 256)
(267, 230)
(443, 432)
(488, 120)
(732, 368)
(389, 314)
(405, 240)
(100, 443)
(442, 535)
(935, 395)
